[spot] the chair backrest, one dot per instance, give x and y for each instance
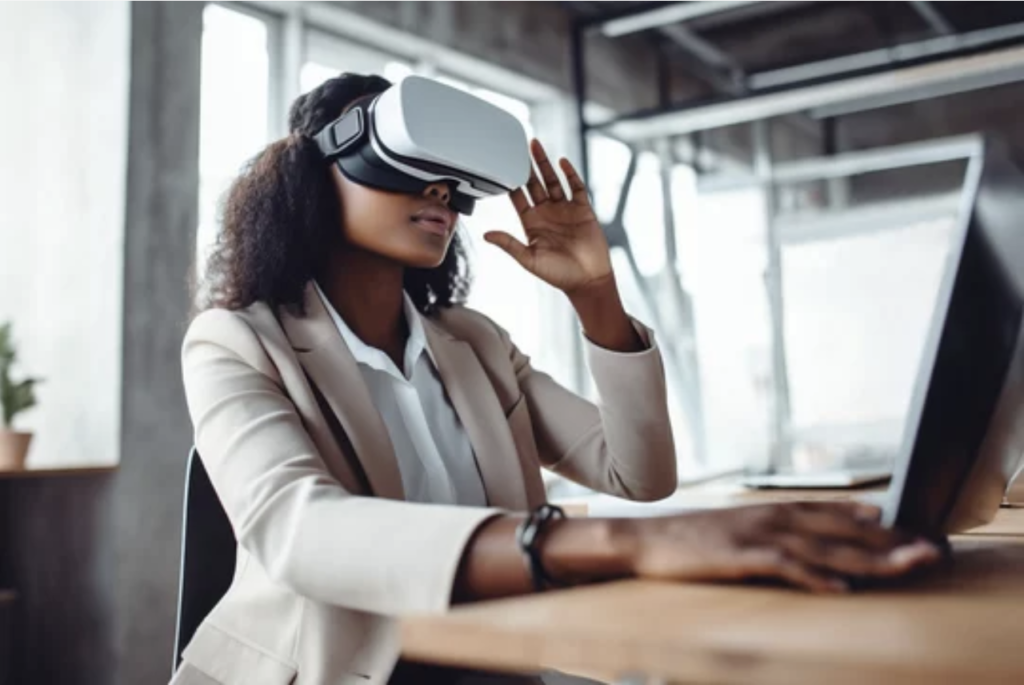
(207, 554)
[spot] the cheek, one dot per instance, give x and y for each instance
(375, 222)
(362, 220)
(379, 222)
(363, 210)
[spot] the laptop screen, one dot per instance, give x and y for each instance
(957, 437)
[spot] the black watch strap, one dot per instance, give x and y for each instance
(528, 535)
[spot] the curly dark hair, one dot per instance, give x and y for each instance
(282, 214)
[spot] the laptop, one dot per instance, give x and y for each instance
(964, 434)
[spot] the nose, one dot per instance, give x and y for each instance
(438, 191)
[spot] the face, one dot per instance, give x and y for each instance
(413, 230)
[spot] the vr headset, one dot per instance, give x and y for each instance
(419, 132)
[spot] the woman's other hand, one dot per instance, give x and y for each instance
(815, 546)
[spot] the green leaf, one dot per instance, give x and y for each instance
(15, 398)
(7, 353)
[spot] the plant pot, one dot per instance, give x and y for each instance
(13, 449)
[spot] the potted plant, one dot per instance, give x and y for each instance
(15, 398)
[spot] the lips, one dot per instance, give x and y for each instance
(435, 220)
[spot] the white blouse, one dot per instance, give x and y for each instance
(434, 454)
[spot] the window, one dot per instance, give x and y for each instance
(234, 108)
(723, 256)
(858, 310)
(609, 160)
(709, 307)
(644, 216)
(327, 57)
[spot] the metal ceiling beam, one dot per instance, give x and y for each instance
(711, 64)
(885, 159)
(698, 57)
(663, 16)
(933, 18)
(849, 164)
(724, 81)
(918, 82)
(702, 59)
(747, 13)
(708, 54)
(718, 69)
(918, 93)
(932, 47)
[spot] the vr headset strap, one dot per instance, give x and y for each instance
(337, 137)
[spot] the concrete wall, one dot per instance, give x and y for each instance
(63, 133)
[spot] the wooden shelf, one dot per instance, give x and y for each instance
(61, 472)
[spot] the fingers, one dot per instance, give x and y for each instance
(841, 521)
(816, 546)
(839, 558)
(773, 563)
(536, 189)
(834, 540)
(801, 563)
(548, 186)
(552, 184)
(862, 511)
(576, 184)
(519, 201)
(509, 244)
(846, 537)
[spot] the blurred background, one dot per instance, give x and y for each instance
(778, 180)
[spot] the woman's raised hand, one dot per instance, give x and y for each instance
(565, 246)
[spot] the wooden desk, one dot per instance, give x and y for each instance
(962, 624)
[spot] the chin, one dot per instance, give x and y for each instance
(423, 251)
(422, 259)
(426, 263)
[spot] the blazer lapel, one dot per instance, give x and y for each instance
(477, 406)
(327, 360)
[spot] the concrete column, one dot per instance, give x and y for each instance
(160, 235)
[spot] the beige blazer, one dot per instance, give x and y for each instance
(329, 553)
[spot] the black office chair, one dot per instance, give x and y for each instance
(207, 554)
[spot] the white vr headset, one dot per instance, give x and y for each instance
(419, 132)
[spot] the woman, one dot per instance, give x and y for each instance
(376, 445)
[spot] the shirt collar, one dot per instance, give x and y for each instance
(374, 358)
